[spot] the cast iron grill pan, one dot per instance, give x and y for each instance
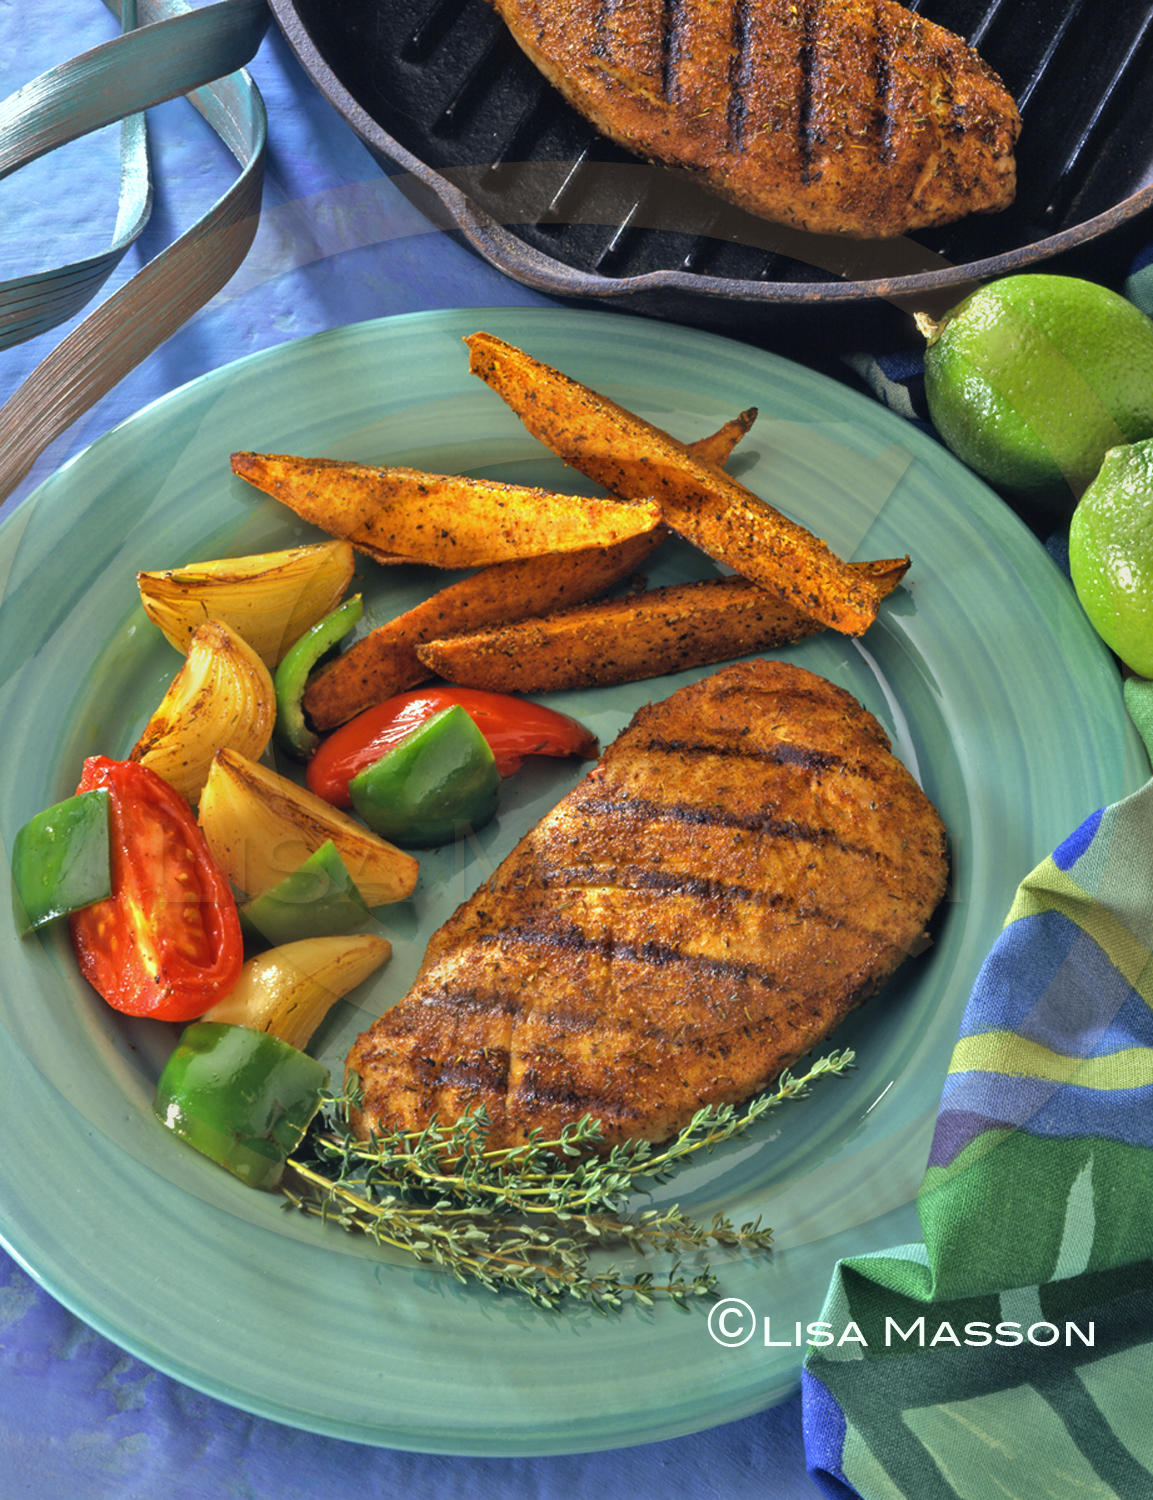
(446, 100)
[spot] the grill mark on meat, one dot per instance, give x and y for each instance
(571, 941)
(634, 878)
(729, 897)
(883, 76)
(783, 753)
(487, 1071)
(949, 112)
(538, 1094)
(807, 61)
(719, 817)
(461, 1001)
(672, 25)
(713, 1014)
(739, 69)
(600, 45)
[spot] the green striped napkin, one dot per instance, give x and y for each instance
(1010, 1355)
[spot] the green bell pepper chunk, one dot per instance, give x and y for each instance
(318, 899)
(434, 786)
(62, 860)
(291, 676)
(243, 1098)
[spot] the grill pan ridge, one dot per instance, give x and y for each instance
(481, 142)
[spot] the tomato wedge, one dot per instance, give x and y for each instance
(166, 943)
(513, 727)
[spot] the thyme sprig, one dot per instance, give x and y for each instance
(528, 1218)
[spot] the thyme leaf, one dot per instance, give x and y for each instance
(527, 1219)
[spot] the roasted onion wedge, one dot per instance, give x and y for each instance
(261, 826)
(271, 598)
(223, 696)
(289, 990)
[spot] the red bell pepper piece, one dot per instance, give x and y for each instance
(513, 727)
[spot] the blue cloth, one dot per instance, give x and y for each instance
(80, 1418)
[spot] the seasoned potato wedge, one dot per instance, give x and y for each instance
(701, 502)
(270, 598)
(716, 448)
(624, 640)
(260, 827)
(385, 662)
(405, 516)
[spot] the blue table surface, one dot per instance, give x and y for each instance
(337, 244)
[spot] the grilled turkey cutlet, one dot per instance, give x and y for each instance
(848, 117)
(746, 864)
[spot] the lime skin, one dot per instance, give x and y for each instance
(1111, 554)
(1032, 379)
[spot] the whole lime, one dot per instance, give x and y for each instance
(1032, 379)
(1111, 554)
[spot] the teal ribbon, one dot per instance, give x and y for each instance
(167, 49)
(30, 305)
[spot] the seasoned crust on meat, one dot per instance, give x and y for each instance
(747, 864)
(849, 117)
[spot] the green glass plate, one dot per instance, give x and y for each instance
(994, 690)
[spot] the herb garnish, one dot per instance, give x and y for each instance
(526, 1219)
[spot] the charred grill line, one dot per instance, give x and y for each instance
(951, 113)
(462, 1001)
(736, 110)
(797, 141)
(883, 74)
(669, 48)
(634, 879)
(783, 753)
(561, 1023)
(488, 1071)
(654, 955)
(711, 817)
(535, 1091)
(672, 27)
(675, 882)
(602, 32)
(806, 58)
(563, 1018)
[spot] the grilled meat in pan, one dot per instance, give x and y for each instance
(747, 863)
(841, 116)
